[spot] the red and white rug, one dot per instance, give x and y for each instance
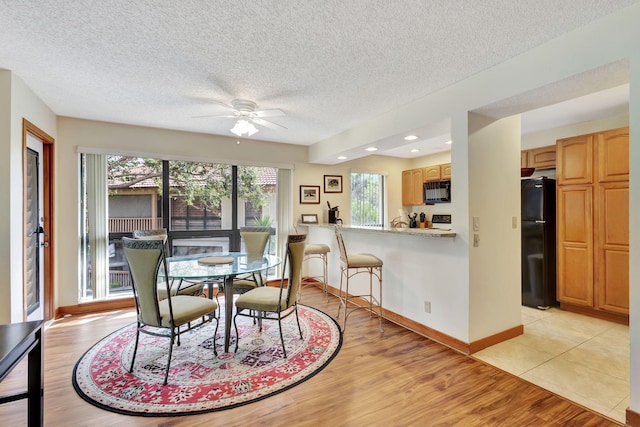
(199, 381)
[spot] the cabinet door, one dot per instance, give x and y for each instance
(612, 266)
(407, 188)
(445, 171)
(575, 245)
(542, 157)
(416, 180)
(575, 160)
(524, 154)
(431, 173)
(613, 155)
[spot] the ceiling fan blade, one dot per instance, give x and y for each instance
(215, 116)
(268, 113)
(268, 124)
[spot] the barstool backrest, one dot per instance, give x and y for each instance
(343, 249)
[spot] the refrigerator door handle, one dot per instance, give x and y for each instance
(540, 222)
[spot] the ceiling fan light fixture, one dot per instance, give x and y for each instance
(244, 127)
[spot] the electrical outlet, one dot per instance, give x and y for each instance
(427, 306)
(476, 240)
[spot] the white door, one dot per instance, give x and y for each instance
(34, 254)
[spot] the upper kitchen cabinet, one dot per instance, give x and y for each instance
(412, 187)
(524, 156)
(445, 171)
(575, 160)
(542, 157)
(613, 155)
(432, 173)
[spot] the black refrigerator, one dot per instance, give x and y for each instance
(538, 218)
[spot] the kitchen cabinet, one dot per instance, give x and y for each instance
(539, 158)
(575, 160)
(445, 171)
(612, 267)
(593, 223)
(542, 157)
(613, 155)
(575, 245)
(412, 187)
(431, 173)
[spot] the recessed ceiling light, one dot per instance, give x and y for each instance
(371, 149)
(411, 137)
(342, 157)
(448, 142)
(415, 150)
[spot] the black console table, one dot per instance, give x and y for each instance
(16, 341)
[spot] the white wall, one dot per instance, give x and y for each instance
(22, 104)
(634, 231)
(550, 136)
(310, 174)
(5, 193)
(494, 199)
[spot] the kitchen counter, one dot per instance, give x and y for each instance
(422, 232)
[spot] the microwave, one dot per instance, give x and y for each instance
(437, 192)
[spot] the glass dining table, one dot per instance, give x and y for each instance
(213, 268)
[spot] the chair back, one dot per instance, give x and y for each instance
(343, 249)
(145, 258)
(255, 240)
(294, 257)
(156, 234)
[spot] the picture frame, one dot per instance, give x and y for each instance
(309, 194)
(333, 183)
(309, 219)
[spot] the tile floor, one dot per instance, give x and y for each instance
(581, 358)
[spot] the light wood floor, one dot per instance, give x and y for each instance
(393, 379)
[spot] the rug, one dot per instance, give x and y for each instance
(199, 381)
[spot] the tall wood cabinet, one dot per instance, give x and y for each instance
(593, 223)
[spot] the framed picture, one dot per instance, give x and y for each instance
(309, 194)
(333, 183)
(309, 219)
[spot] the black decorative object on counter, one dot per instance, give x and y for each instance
(412, 220)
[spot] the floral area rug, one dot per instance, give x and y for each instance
(199, 381)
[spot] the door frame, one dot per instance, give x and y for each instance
(47, 212)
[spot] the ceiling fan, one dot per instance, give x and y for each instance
(245, 113)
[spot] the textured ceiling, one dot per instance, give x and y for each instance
(328, 65)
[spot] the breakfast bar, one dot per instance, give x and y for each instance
(425, 274)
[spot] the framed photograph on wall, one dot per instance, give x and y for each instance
(309, 194)
(333, 183)
(309, 218)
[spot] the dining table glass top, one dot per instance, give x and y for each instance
(189, 267)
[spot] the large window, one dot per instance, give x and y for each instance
(367, 199)
(206, 205)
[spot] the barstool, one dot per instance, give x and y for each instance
(358, 263)
(320, 252)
